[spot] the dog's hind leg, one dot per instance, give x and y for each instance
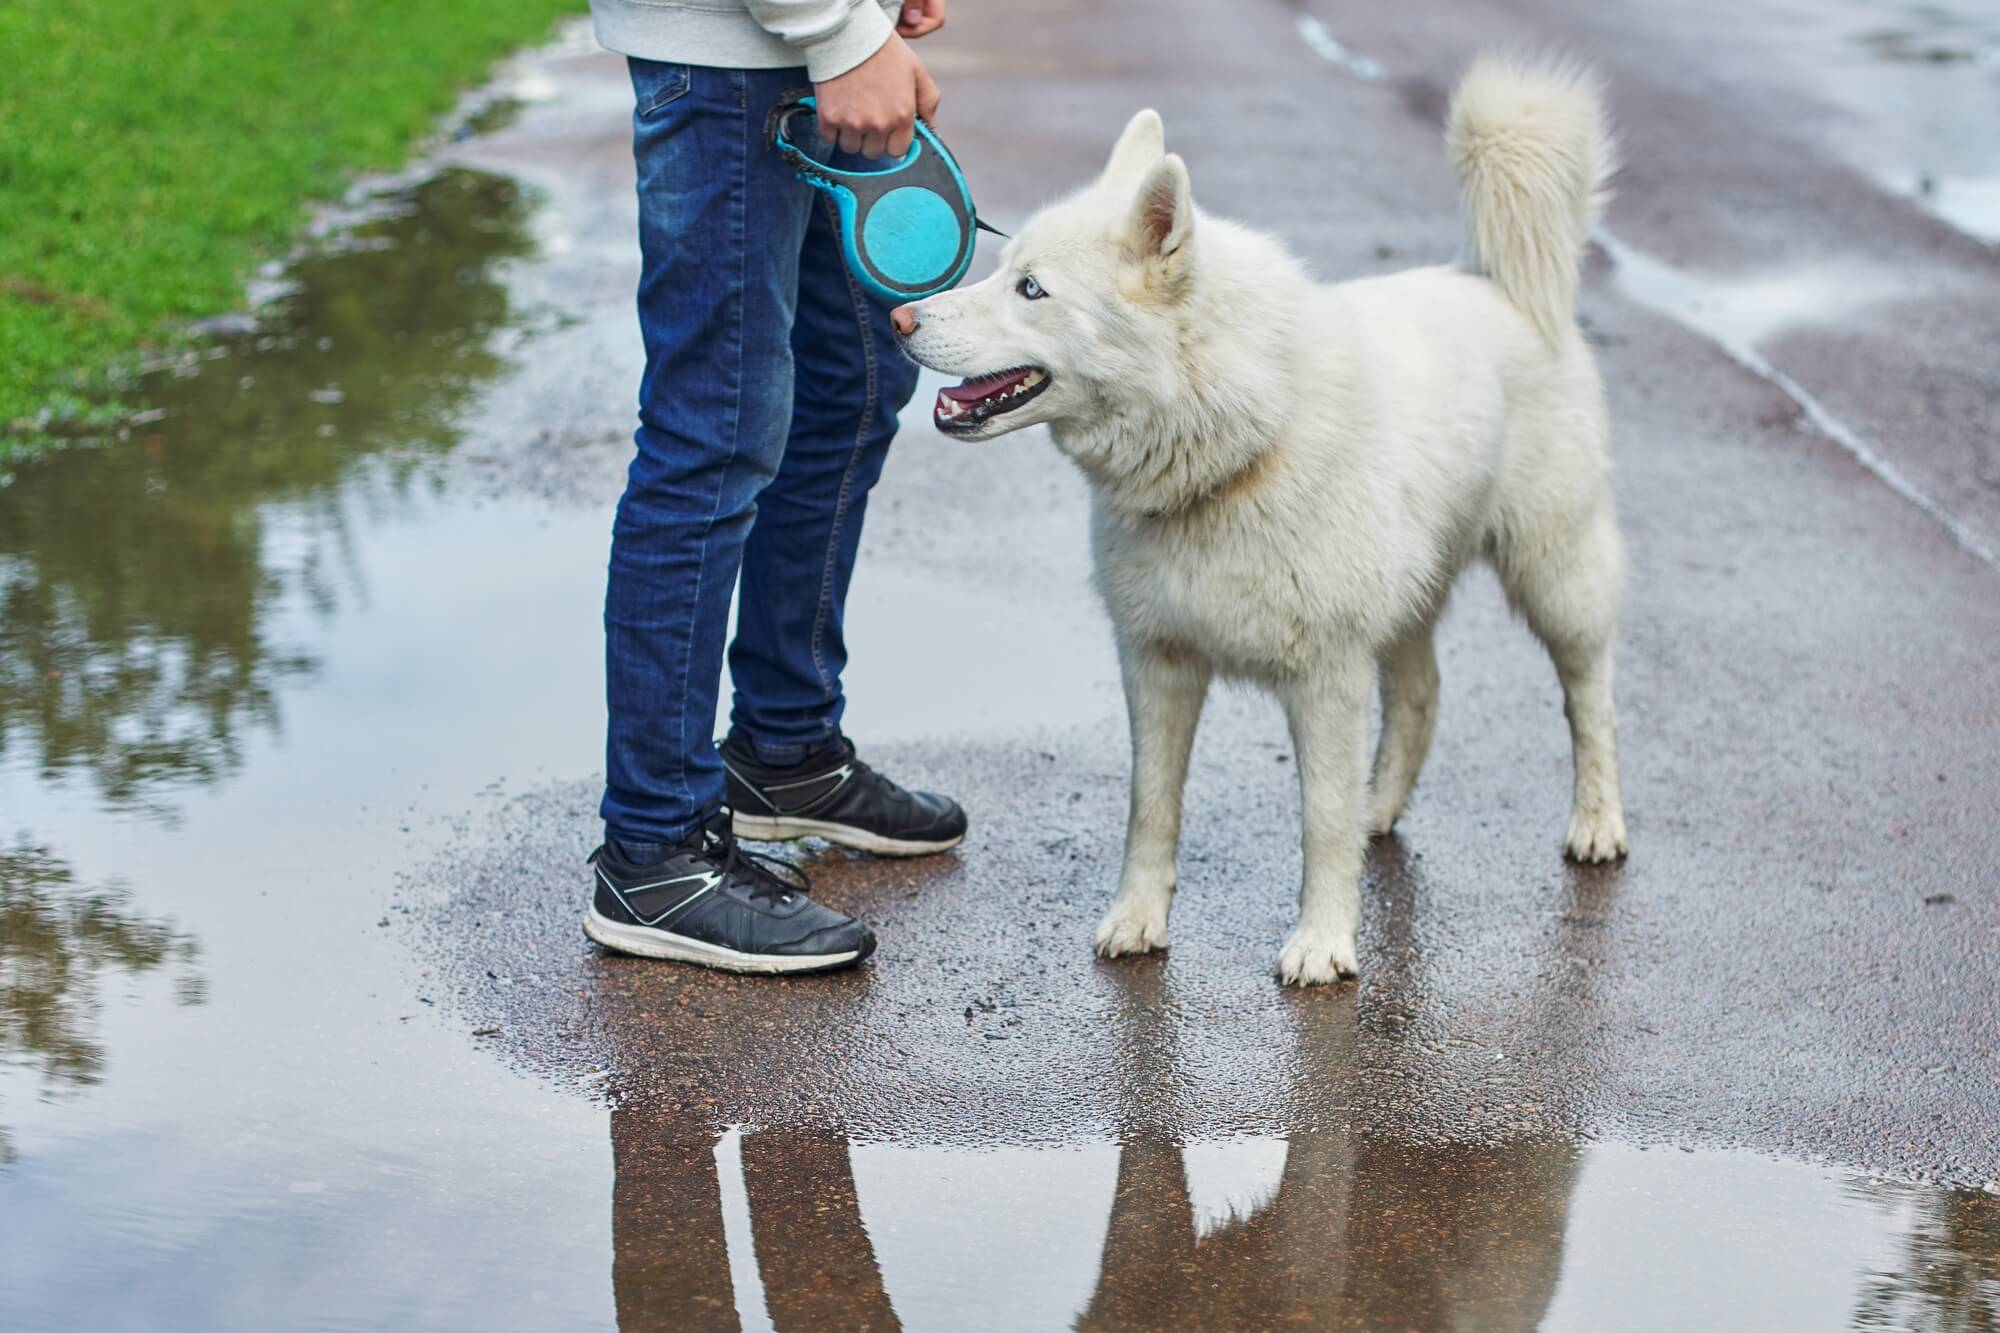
(1164, 693)
(1409, 688)
(1329, 721)
(1569, 595)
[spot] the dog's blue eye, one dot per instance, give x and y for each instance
(1031, 289)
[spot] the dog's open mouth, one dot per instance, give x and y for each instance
(963, 406)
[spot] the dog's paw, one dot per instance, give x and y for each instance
(1595, 836)
(1316, 958)
(1134, 926)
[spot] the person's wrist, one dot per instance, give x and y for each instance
(866, 31)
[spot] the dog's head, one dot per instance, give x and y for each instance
(1083, 319)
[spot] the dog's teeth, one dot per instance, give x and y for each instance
(1034, 377)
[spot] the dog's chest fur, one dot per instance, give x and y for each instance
(1232, 593)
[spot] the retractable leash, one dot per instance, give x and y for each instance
(908, 229)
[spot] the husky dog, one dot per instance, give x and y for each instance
(1288, 475)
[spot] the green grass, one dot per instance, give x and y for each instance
(153, 152)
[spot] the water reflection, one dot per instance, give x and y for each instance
(1356, 1229)
(1358, 1232)
(1328, 1227)
(1949, 1277)
(671, 1262)
(59, 943)
(140, 580)
(768, 1230)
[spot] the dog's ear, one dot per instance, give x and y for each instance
(1162, 223)
(1139, 147)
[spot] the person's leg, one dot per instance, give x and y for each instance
(721, 223)
(850, 382)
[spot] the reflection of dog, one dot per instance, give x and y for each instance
(1352, 1227)
(1361, 1232)
(1288, 476)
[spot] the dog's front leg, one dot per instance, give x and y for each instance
(1328, 714)
(1163, 697)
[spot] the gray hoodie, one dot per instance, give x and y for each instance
(828, 37)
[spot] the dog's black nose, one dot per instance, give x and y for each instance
(904, 317)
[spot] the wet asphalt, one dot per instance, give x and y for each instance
(301, 771)
(1799, 956)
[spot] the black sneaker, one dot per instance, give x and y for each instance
(709, 902)
(835, 796)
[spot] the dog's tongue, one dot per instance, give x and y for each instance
(973, 390)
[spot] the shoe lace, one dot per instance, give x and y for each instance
(864, 772)
(770, 877)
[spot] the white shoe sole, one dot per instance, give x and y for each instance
(770, 828)
(646, 943)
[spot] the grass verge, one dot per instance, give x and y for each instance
(152, 153)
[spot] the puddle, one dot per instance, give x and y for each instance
(1922, 115)
(1916, 88)
(765, 1230)
(1740, 313)
(145, 583)
(497, 114)
(1319, 39)
(66, 950)
(224, 640)
(1971, 204)
(1906, 46)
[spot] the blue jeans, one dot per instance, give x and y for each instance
(770, 396)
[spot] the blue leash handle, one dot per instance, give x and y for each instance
(907, 228)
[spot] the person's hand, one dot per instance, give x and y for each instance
(871, 109)
(920, 18)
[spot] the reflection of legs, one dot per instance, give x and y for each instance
(1149, 1246)
(1305, 1246)
(1454, 1236)
(819, 1268)
(669, 1255)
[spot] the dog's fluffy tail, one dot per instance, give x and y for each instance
(1535, 156)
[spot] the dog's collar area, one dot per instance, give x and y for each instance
(965, 405)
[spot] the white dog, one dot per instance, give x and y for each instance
(1287, 476)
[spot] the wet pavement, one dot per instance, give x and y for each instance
(300, 713)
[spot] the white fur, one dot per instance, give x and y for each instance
(1287, 476)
